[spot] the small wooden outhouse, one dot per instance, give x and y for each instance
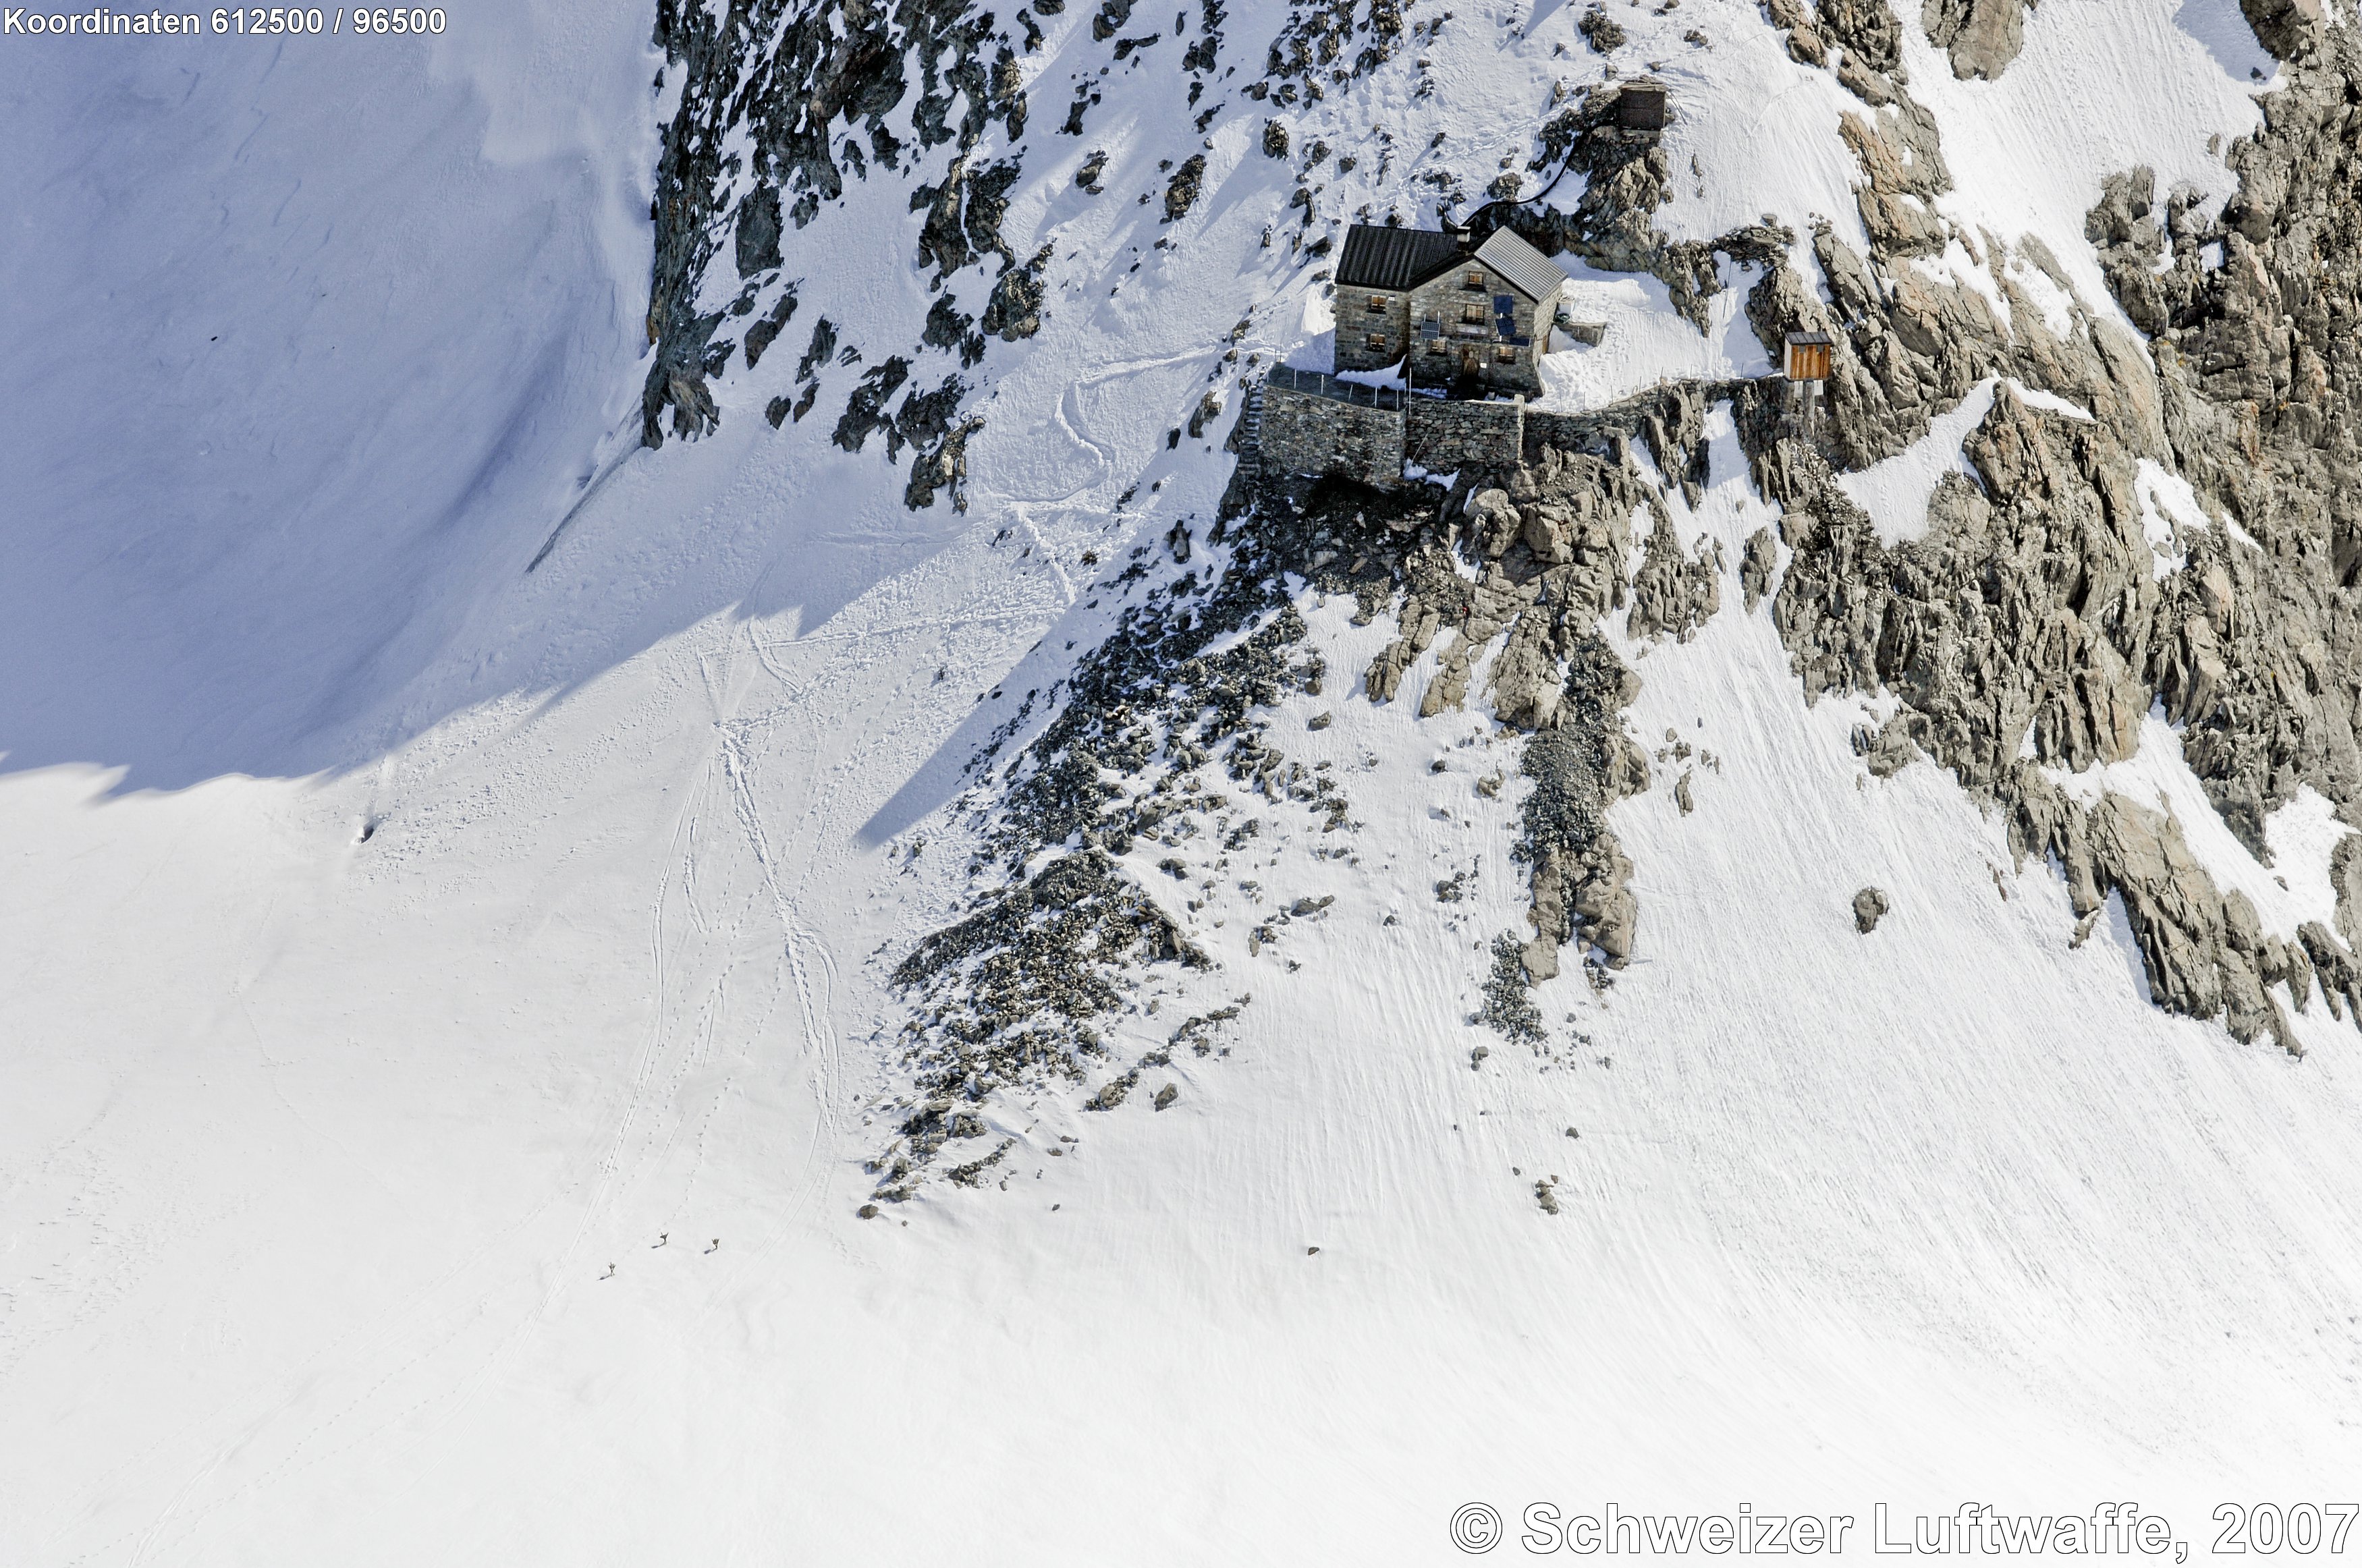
(1808, 355)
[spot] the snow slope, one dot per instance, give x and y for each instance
(393, 943)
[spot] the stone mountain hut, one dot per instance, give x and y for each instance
(1471, 319)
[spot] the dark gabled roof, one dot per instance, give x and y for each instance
(1640, 106)
(1527, 270)
(1378, 258)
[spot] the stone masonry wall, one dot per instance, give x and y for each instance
(1356, 321)
(1442, 301)
(1447, 436)
(1304, 432)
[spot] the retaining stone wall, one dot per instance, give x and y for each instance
(1304, 432)
(1444, 438)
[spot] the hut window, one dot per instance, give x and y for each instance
(1378, 339)
(1438, 347)
(1377, 304)
(1471, 315)
(1474, 280)
(1505, 355)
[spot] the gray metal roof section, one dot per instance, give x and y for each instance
(1378, 258)
(1529, 271)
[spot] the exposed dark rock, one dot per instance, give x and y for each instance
(1600, 30)
(1673, 593)
(1181, 191)
(1141, 716)
(1310, 52)
(2289, 29)
(1868, 31)
(819, 351)
(964, 216)
(758, 231)
(1507, 1007)
(1869, 906)
(1014, 311)
(1975, 627)
(760, 336)
(1888, 749)
(1905, 163)
(925, 418)
(949, 327)
(865, 411)
(781, 76)
(763, 84)
(1209, 408)
(1580, 765)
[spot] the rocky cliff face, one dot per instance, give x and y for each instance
(2032, 628)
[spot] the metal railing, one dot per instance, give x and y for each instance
(1316, 383)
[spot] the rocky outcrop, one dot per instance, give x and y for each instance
(1600, 30)
(1982, 36)
(2023, 616)
(1869, 906)
(750, 151)
(2032, 627)
(2205, 954)
(1674, 593)
(1549, 542)
(2258, 646)
(1904, 162)
(1580, 765)
(1014, 310)
(1181, 191)
(1332, 42)
(1756, 565)
(2289, 29)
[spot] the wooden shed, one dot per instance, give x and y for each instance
(1640, 106)
(1808, 355)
